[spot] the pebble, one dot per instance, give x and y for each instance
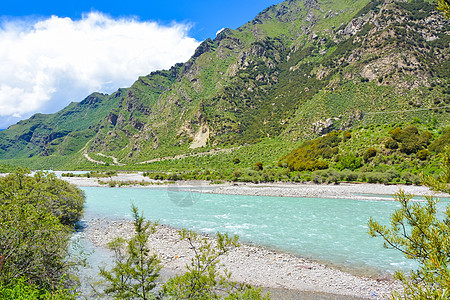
(250, 264)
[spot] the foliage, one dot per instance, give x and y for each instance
(44, 191)
(346, 135)
(423, 154)
(36, 220)
(20, 289)
(369, 153)
(307, 156)
(203, 279)
(258, 166)
(391, 144)
(442, 181)
(418, 232)
(444, 6)
(440, 143)
(410, 139)
(136, 270)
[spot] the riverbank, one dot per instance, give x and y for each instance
(358, 191)
(281, 272)
(251, 264)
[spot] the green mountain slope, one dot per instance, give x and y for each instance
(60, 133)
(300, 69)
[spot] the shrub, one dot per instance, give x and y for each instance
(236, 161)
(22, 289)
(425, 240)
(392, 174)
(320, 165)
(348, 175)
(306, 156)
(376, 177)
(135, 270)
(370, 152)
(391, 144)
(410, 178)
(346, 135)
(237, 173)
(37, 216)
(258, 166)
(203, 280)
(423, 154)
(409, 139)
(439, 144)
(362, 176)
(350, 162)
(332, 176)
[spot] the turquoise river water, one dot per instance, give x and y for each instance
(329, 230)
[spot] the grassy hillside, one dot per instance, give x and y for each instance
(299, 70)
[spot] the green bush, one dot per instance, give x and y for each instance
(410, 178)
(392, 174)
(258, 166)
(332, 176)
(439, 144)
(203, 279)
(423, 154)
(377, 177)
(350, 162)
(391, 144)
(308, 156)
(135, 269)
(426, 240)
(23, 290)
(409, 139)
(37, 216)
(348, 175)
(370, 152)
(319, 165)
(236, 174)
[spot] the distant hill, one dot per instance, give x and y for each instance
(299, 70)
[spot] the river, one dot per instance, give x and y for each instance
(333, 231)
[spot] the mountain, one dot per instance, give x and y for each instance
(300, 69)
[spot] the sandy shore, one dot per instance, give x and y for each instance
(256, 265)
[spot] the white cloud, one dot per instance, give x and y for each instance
(47, 64)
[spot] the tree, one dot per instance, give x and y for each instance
(36, 220)
(419, 234)
(444, 6)
(203, 280)
(136, 269)
(44, 191)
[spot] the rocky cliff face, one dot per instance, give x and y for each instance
(299, 69)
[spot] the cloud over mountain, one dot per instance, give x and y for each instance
(45, 64)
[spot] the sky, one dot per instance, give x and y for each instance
(56, 52)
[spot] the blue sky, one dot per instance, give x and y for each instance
(207, 17)
(56, 52)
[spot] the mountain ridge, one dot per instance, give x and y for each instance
(298, 70)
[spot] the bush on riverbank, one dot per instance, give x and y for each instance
(420, 233)
(37, 216)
